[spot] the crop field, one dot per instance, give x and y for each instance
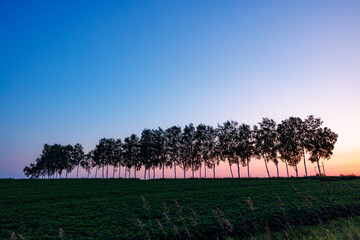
(172, 209)
(341, 228)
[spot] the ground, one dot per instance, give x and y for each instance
(173, 209)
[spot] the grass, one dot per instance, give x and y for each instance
(172, 209)
(342, 228)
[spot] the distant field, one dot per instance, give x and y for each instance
(171, 209)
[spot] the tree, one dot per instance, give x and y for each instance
(146, 143)
(290, 138)
(204, 145)
(265, 140)
(100, 156)
(321, 145)
(288, 141)
(87, 163)
(173, 136)
(111, 154)
(160, 147)
(188, 148)
(156, 148)
(309, 130)
(216, 152)
(209, 150)
(33, 171)
(304, 133)
(273, 156)
(118, 159)
(78, 156)
(245, 146)
(65, 158)
(52, 161)
(199, 145)
(228, 142)
(131, 152)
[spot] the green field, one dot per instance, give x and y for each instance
(171, 209)
(341, 228)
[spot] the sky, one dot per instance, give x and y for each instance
(77, 71)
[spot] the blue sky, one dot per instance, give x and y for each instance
(77, 71)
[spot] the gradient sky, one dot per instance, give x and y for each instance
(77, 71)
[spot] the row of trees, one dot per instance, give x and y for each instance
(203, 146)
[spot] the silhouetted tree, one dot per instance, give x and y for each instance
(146, 143)
(321, 145)
(311, 125)
(173, 136)
(160, 147)
(78, 156)
(131, 150)
(188, 148)
(87, 163)
(66, 156)
(265, 140)
(245, 145)
(228, 141)
(118, 159)
(291, 140)
(100, 156)
(204, 145)
(288, 141)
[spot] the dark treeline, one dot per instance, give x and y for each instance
(196, 148)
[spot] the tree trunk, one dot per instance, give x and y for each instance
(184, 172)
(107, 171)
(175, 170)
(318, 167)
(248, 166)
(305, 163)
(287, 169)
(145, 174)
(149, 173)
(214, 167)
(119, 170)
(77, 174)
(66, 173)
(296, 169)
(88, 174)
(163, 170)
(200, 169)
(153, 172)
(114, 171)
(96, 171)
(192, 168)
(238, 167)
(267, 170)
(103, 170)
(277, 167)
(232, 176)
(205, 170)
(135, 172)
(125, 172)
